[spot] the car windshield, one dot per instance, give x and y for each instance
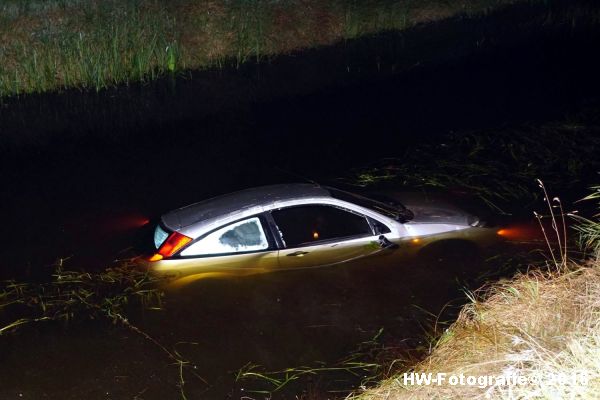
(385, 206)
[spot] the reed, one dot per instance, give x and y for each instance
(589, 228)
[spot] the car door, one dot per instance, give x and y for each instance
(322, 235)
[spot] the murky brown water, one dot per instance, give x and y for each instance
(308, 318)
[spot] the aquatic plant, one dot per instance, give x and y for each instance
(359, 363)
(500, 167)
(78, 295)
(589, 228)
(70, 296)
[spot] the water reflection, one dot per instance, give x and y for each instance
(299, 318)
(310, 317)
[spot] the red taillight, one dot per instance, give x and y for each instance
(173, 244)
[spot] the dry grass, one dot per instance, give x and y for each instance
(538, 325)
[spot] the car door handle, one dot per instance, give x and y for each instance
(297, 254)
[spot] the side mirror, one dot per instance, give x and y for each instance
(384, 243)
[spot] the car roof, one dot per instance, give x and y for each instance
(237, 202)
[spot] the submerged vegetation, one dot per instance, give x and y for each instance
(74, 295)
(70, 296)
(500, 166)
(363, 362)
(54, 44)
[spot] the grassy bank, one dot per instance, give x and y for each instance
(47, 45)
(537, 325)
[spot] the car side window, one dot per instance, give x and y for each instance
(304, 225)
(242, 236)
(379, 227)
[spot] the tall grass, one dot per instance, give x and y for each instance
(52, 44)
(589, 229)
(83, 44)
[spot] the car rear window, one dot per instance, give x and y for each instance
(160, 235)
(243, 236)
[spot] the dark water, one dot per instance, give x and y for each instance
(294, 319)
(82, 172)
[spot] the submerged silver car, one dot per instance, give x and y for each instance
(291, 226)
